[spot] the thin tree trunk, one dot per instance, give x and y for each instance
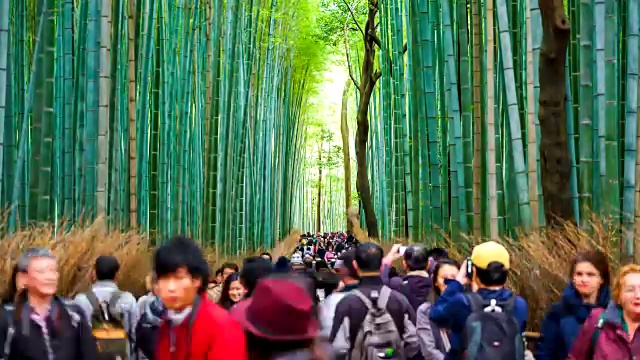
(555, 163)
(319, 204)
(491, 127)
(368, 77)
(103, 108)
(531, 127)
(133, 169)
(344, 131)
(477, 120)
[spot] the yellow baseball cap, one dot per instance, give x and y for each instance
(489, 252)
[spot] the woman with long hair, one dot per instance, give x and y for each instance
(232, 291)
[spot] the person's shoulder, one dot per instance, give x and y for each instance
(213, 313)
(424, 308)
(127, 296)
(521, 303)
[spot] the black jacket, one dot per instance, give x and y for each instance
(352, 311)
(70, 335)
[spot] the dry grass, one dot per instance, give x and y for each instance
(78, 248)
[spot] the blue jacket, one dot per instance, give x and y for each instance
(563, 322)
(451, 310)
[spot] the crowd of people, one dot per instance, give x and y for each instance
(332, 298)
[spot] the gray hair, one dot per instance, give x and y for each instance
(26, 257)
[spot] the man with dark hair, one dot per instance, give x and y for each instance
(266, 256)
(437, 253)
(195, 327)
(105, 296)
(489, 264)
(416, 285)
(226, 269)
(351, 312)
(254, 268)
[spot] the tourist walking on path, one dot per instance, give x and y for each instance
(434, 341)
(195, 328)
(486, 270)
(106, 305)
(611, 333)
(588, 289)
(280, 321)
(43, 326)
(356, 308)
(226, 270)
(232, 291)
(416, 285)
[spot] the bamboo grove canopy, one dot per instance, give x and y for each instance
(170, 116)
(454, 119)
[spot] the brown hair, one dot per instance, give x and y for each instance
(617, 287)
(596, 258)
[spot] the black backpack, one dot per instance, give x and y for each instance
(492, 331)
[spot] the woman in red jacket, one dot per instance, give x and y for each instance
(194, 327)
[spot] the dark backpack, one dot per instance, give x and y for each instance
(492, 331)
(9, 311)
(107, 327)
(146, 336)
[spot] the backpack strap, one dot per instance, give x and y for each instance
(381, 302)
(9, 309)
(508, 306)
(596, 334)
(114, 312)
(383, 299)
(364, 299)
(97, 313)
(476, 302)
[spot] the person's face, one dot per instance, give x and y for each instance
(236, 291)
(266, 257)
(226, 272)
(586, 279)
(630, 294)
(178, 290)
(446, 272)
(41, 277)
(219, 278)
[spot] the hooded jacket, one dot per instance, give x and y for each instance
(563, 321)
(415, 286)
(451, 310)
(612, 343)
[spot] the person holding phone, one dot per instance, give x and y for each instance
(487, 270)
(416, 284)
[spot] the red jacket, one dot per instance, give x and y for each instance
(214, 335)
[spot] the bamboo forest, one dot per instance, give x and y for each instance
(236, 121)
